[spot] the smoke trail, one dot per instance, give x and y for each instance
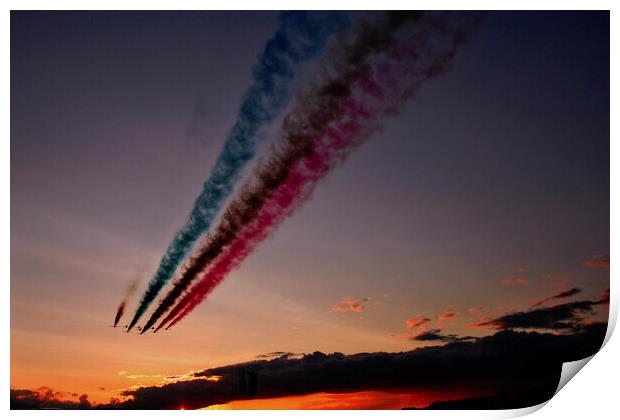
(290, 195)
(396, 76)
(120, 312)
(133, 286)
(347, 66)
(301, 37)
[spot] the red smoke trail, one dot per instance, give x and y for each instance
(395, 78)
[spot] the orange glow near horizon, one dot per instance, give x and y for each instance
(363, 400)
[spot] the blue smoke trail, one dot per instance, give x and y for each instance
(300, 37)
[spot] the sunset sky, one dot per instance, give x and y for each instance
(487, 194)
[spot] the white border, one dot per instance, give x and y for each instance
(591, 395)
(305, 5)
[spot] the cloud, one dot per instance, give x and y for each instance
(350, 304)
(567, 316)
(600, 261)
(447, 314)
(527, 358)
(417, 321)
(128, 375)
(538, 302)
(481, 323)
(277, 354)
(429, 335)
(435, 335)
(45, 398)
(567, 293)
(561, 295)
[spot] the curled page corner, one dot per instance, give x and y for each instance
(569, 370)
(611, 319)
(519, 412)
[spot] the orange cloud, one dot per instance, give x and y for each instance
(597, 261)
(417, 321)
(350, 304)
(505, 282)
(446, 315)
(483, 322)
(521, 280)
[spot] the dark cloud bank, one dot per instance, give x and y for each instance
(46, 398)
(516, 367)
(566, 316)
(507, 362)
